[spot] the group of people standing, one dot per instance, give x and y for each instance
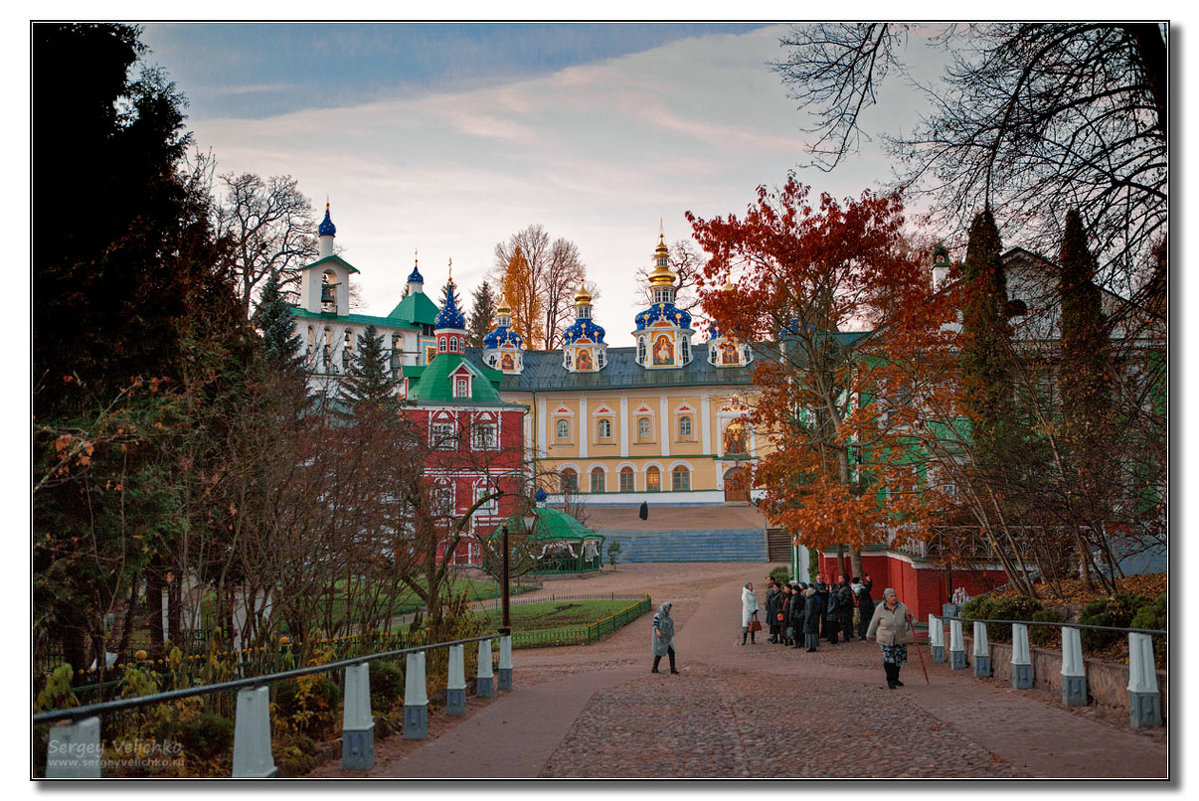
(818, 610)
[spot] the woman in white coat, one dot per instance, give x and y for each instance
(749, 610)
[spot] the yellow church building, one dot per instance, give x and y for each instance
(664, 421)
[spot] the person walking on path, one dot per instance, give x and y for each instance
(865, 605)
(890, 627)
(749, 610)
(662, 641)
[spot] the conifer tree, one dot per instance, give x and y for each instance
(368, 387)
(986, 345)
(272, 318)
(482, 313)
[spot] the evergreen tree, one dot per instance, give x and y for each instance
(368, 387)
(482, 313)
(986, 347)
(280, 342)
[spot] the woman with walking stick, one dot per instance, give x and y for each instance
(890, 628)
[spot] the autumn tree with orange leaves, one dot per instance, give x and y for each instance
(815, 275)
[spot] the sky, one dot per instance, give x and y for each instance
(448, 138)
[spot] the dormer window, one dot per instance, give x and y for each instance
(461, 387)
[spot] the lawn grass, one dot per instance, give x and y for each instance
(556, 614)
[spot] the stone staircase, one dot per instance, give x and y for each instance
(689, 545)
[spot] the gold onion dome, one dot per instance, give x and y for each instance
(503, 308)
(661, 276)
(583, 296)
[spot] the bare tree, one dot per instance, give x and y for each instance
(686, 262)
(554, 276)
(270, 226)
(1030, 119)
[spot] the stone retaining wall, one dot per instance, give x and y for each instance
(1107, 682)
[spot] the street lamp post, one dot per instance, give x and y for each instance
(505, 622)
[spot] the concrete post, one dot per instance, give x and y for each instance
(504, 680)
(982, 651)
(455, 690)
(1021, 658)
(483, 684)
(1074, 672)
(416, 699)
(252, 758)
(1144, 703)
(936, 638)
(957, 646)
(74, 751)
(358, 726)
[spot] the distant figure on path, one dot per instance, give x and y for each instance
(865, 605)
(662, 642)
(813, 613)
(774, 614)
(749, 608)
(845, 608)
(890, 627)
(643, 513)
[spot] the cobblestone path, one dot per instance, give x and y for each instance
(757, 711)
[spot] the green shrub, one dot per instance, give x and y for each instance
(781, 574)
(986, 607)
(1045, 636)
(1153, 616)
(206, 737)
(1116, 611)
(309, 704)
(387, 684)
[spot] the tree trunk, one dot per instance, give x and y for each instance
(127, 624)
(855, 562)
(154, 585)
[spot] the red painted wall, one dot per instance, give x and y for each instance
(922, 589)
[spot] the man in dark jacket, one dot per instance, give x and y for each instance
(845, 608)
(865, 606)
(830, 623)
(773, 597)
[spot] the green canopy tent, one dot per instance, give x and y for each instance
(562, 544)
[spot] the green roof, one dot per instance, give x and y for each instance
(554, 524)
(433, 384)
(416, 308)
(364, 319)
(351, 268)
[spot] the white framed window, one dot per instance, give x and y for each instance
(485, 438)
(482, 490)
(441, 344)
(444, 436)
(562, 430)
(443, 499)
(680, 479)
(641, 350)
(603, 428)
(685, 427)
(644, 428)
(685, 347)
(461, 387)
(568, 481)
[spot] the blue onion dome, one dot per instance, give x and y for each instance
(663, 311)
(502, 336)
(326, 228)
(582, 329)
(540, 495)
(415, 277)
(449, 316)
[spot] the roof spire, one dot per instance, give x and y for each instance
(451, 269)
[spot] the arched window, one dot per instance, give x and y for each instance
(568, 481)
(626, 479)
(644, 430)
(603, 428)
(597, 479)
(347, 351)
(397, 348)
(461, 388)
(641, 350)
(680, 479)
(563, 430)
(685, 348)
(327, 351)
(441, 344)
(653, 479)
(310, 357)
(685, 427)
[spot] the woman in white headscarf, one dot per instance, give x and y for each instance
(749, 610)
(662, 640)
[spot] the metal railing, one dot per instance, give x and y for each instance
(622, 618)
(75, 751)
(1144, 699)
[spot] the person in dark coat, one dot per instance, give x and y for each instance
(773, 598)
(865, 606)
(813, 614)
(795, 615)
(830, 623)
(845, 608)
